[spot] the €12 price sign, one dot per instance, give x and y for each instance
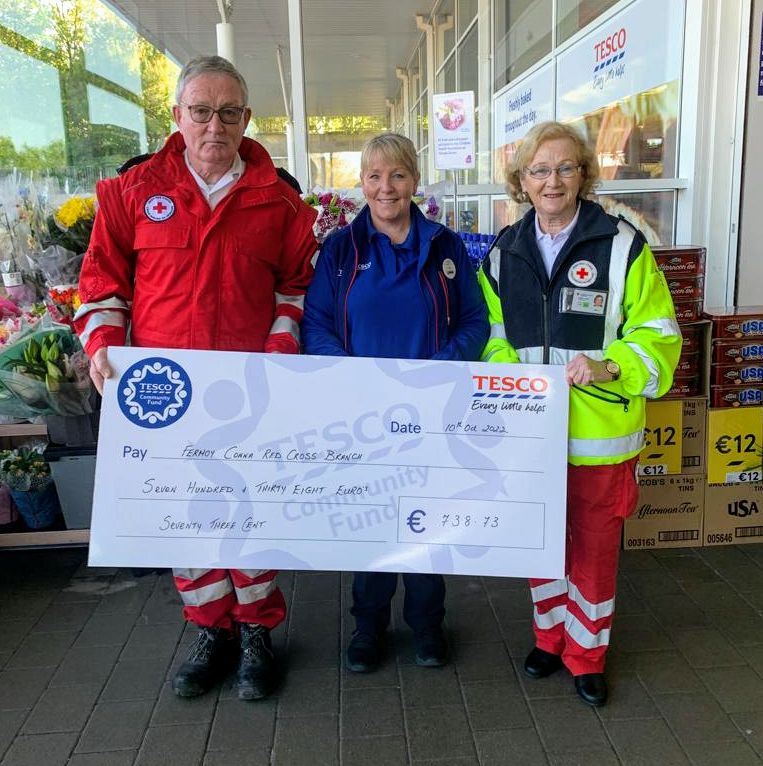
(663, 438)
(734, 444)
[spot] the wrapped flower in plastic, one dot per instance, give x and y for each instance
(429, 206)
(64, 302)
(71, 224)
(24, 469)
(14, 239)
(67, 239)
(44, 372)
(430, 199)
(27, 475)
(334, 212)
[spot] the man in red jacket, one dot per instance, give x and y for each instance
(203, 246)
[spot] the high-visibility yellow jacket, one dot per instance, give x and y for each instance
(536, 318)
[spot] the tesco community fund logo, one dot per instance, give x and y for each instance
(154, 392)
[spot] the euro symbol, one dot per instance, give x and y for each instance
(414, 521)
(722, 445)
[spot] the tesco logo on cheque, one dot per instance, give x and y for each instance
(509, 387)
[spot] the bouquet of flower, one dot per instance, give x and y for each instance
(44, 372)
(14, 239)
(68, 234)
(15, 322)
(27, 475)
(24, 469)
(429, 206)
(64, 302)
(334, 212)
(23, 209)
(69, 226)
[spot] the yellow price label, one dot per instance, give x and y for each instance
(734, 443)
(663, 438)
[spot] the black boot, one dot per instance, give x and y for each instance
(430, 647)
(209, 659)
(256, 668)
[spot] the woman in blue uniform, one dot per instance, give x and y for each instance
(393, 284)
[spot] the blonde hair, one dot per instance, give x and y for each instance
(394, 149)
(548, 131)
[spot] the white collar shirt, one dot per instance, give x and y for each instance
(550, 245)
(215, 192)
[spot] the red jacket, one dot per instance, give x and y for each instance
(185, 276)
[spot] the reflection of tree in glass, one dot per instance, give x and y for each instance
(88, 46)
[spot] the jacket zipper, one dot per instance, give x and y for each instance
(447, 300)
(347, 292)
(612, 397)
(436, 317)
(546, 330)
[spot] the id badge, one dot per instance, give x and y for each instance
(575, 300)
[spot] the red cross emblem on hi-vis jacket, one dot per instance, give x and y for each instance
(582, 273)
(159, 207)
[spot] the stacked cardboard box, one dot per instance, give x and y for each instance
(734, 494)
(736, 369)
(684, 269)
(670, 508)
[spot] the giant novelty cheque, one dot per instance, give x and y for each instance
(220, 459)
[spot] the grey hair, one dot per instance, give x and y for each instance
(209, 65)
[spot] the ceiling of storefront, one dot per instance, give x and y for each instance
(351, 47)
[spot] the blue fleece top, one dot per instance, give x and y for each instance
(448, 312)
(387, 283)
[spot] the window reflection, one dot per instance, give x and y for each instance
(522, 36)
(467, 10)
(468, 75)
(82, 91)
(635, 137)
(573, 15)
(446, 79)
(653, 213)
(446, 12)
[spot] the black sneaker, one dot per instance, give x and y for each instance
(256, 668)
(363, 653)
(431, 648)
(209, 660)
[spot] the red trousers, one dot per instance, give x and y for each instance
(573, 617)
(218, 598)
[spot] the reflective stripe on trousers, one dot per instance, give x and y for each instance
(573, 617)
(217, 598)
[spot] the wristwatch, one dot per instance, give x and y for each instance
(613, 368)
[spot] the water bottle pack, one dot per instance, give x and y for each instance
(477, 245)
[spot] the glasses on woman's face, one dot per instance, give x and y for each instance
(230, 115)
(541, 172)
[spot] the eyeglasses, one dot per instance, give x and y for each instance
(230, 115)
(542, 172)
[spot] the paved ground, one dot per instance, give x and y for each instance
(85, 654)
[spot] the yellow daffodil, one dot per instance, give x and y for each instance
(75, 210)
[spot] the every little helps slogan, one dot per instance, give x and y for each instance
(220, 459)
